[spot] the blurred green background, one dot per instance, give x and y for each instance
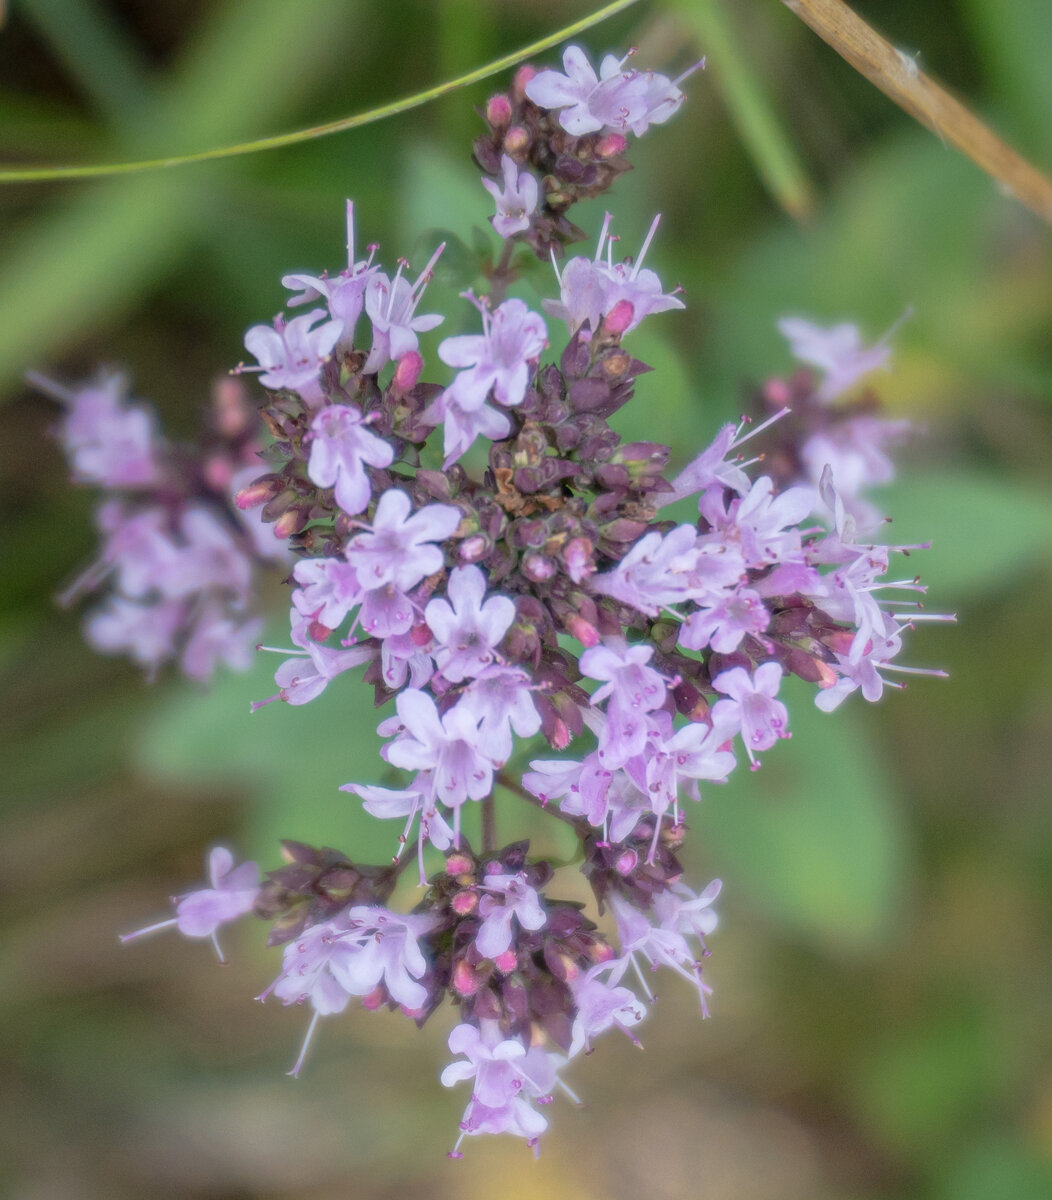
(881, 1019)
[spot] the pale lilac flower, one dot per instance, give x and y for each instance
(679, 909)
(449, 745)
(502, 698)
(418, 798)
(309, 670)
(589, 289)
(673, 758)
(854, 451)
(388, 953)
(506, 1076)
(631, 690)
(763, 719)
(467, 629)
(602, 1006)
(308, 973)
(582, 786)
(345, 294)
(108, 441)
(199, 914)
(837, 351)
(506, 896)
(398, 548)
(659, 945)
(614, 99)
(516, 201)
(497, 361)
(232, 895)
(862, 666)
(576, 94)
(712, 467)
(137, 548)
(391, 306)
(328, 590)
(656, 572)
(352, 955)
(145, 631)
(407, 655)
(763, 524)
(340, 443)
(290, 354)
(211, 558)
(217, 637)
(722, 625)
(463, 426)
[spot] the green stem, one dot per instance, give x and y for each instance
(749, 106)
(416, 100)
(489, 826)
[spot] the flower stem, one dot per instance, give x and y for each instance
(898, 77)
(497, 66)
(502, 274)
(512, 785)
(489, 826)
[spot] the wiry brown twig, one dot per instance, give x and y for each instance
(898, 77)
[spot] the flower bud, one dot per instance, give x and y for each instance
(538, 567)
(584, 631)
(618, 319)
(610, 145)
(627, 862)
(464, 903)
(292, 521)
(459, 864)
(465, 981)
(498, 111)
(407, 371)
(473, 549)
(522, 77)
(258, 492)
(516, 141)
(507, 961)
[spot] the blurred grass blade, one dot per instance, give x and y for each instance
(95, 252)
(96, 53)
(416, 100)
(749, 106)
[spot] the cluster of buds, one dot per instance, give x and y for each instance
(503, 566)
(179, 563)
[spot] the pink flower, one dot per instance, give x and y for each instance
(200, 913)
(516, 201)
(591, 288)
(291, 353)
(449, 746)
(345, 294)
(398, 548)
(497, 361)
(467, 629)
(391, 305)
(837, 351)
(340, 443)
(752, 704)
(506, 896)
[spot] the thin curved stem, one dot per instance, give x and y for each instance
(898, 77)
(513, 785)
(275, 141)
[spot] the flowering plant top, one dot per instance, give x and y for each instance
(503, 566)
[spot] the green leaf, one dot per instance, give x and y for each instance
(813, 839)
(984, 530)
(294, 759)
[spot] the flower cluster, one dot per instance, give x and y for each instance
(179, 563)
(504, 566)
